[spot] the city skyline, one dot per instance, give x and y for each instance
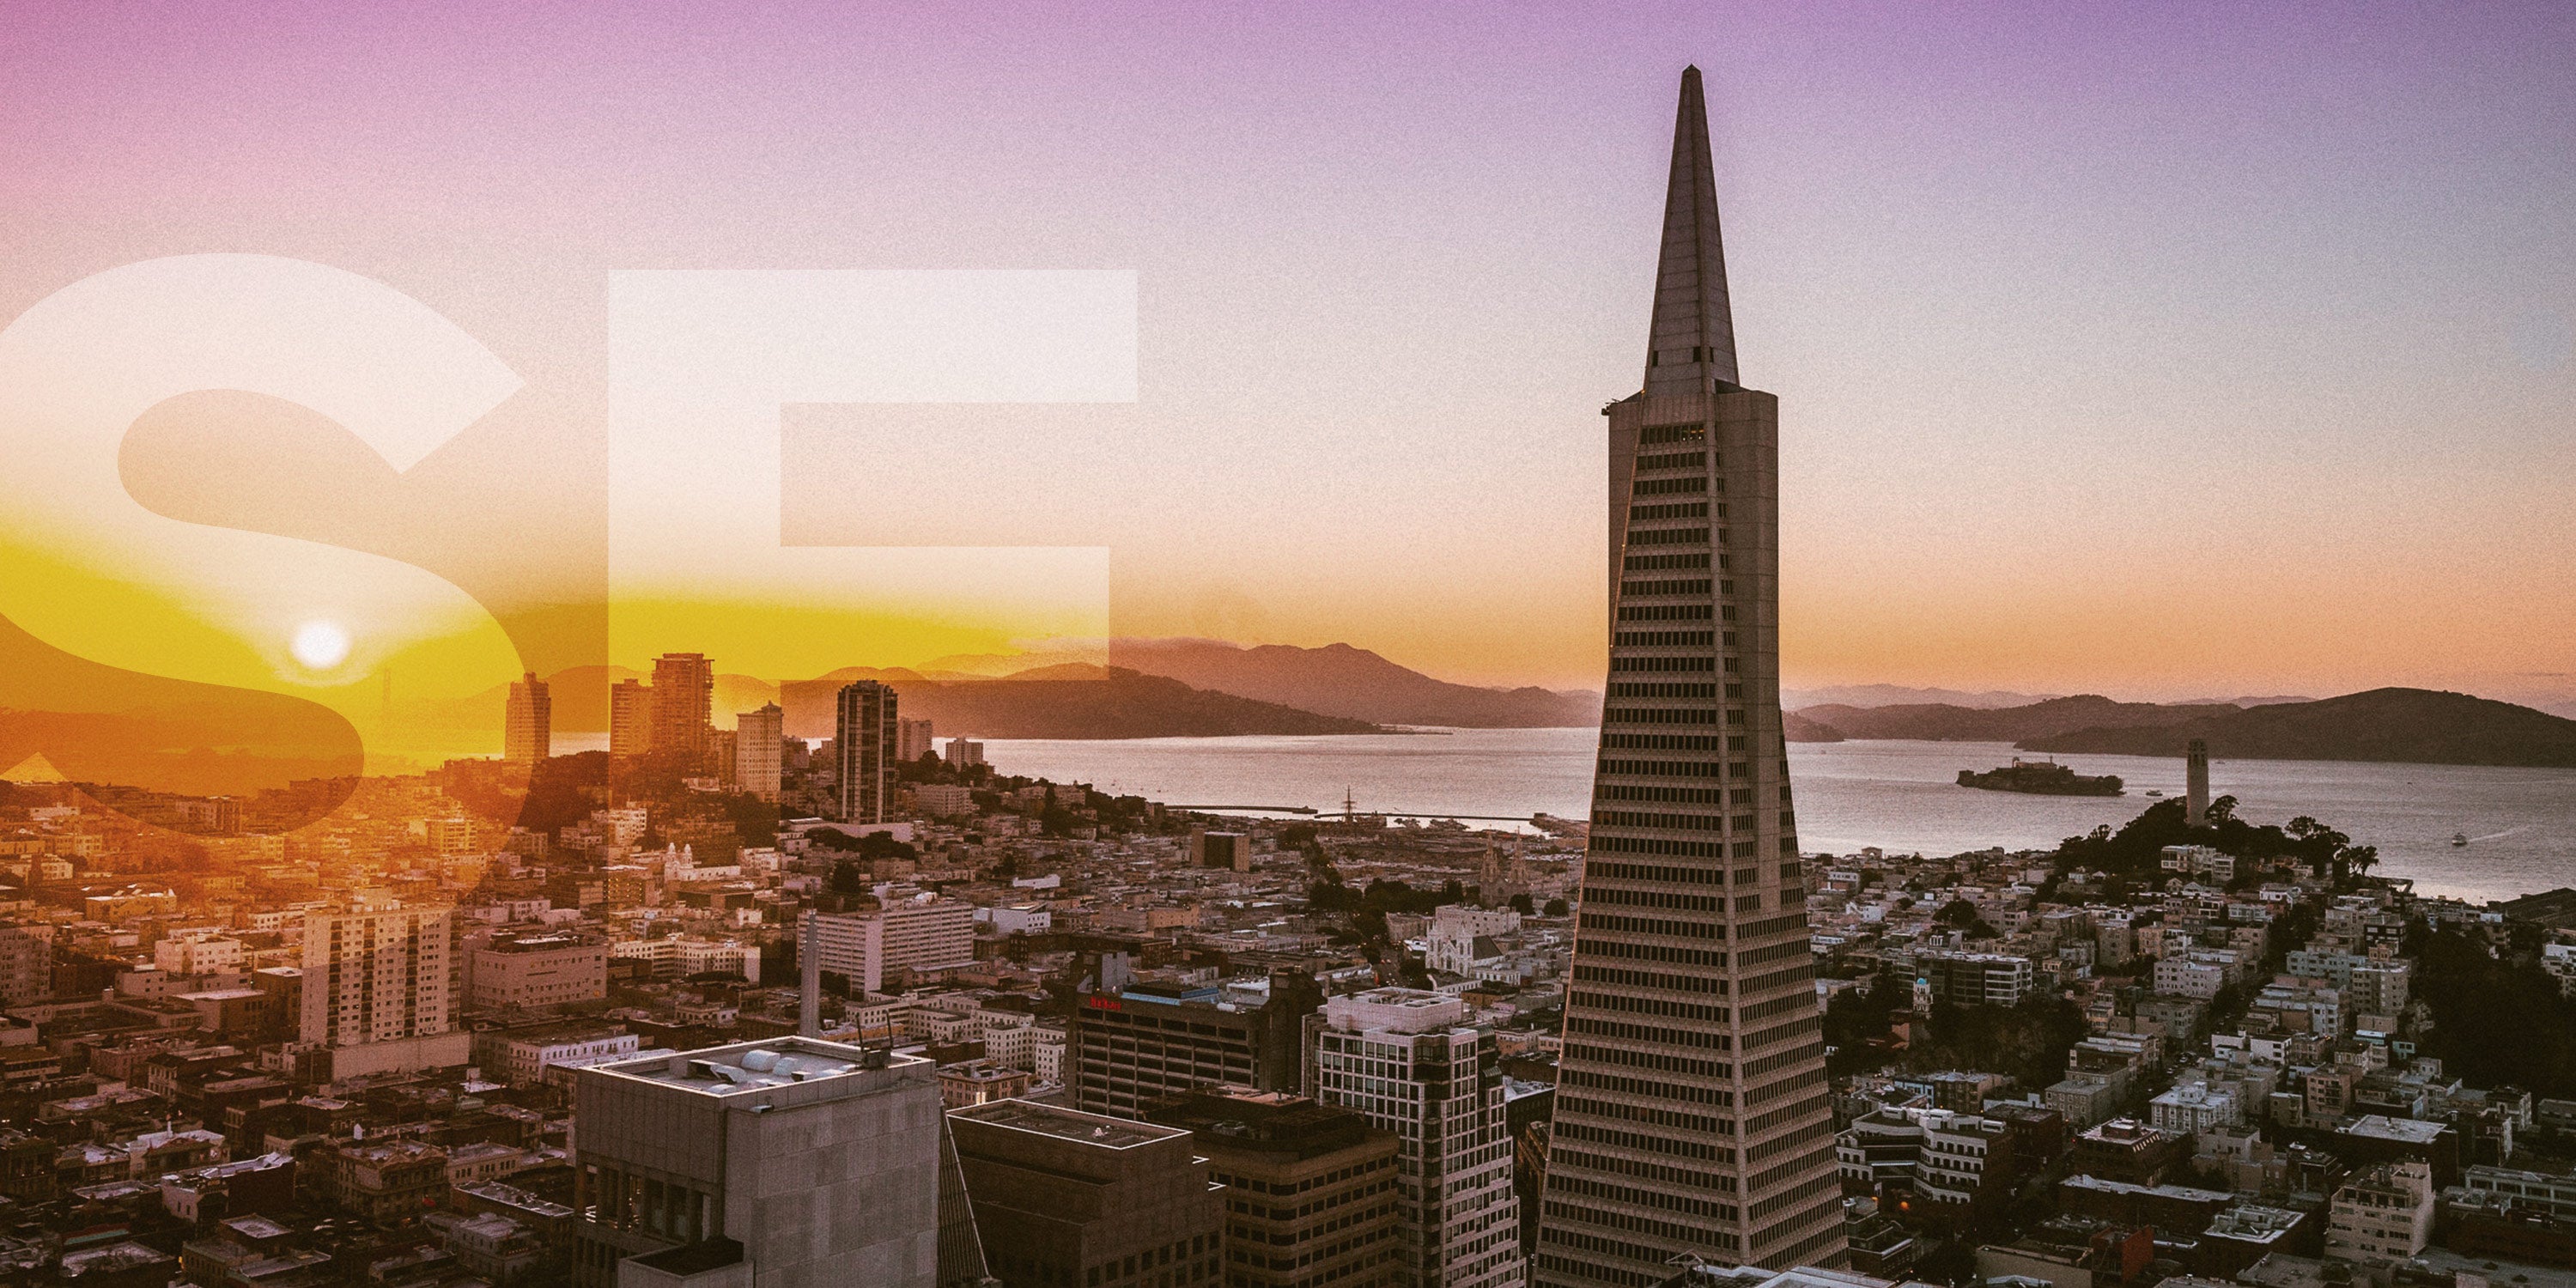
(2223, 393)
(653, 646)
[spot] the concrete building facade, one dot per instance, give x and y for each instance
(786, 1163)
(1065, 1198)
(1407, 1061)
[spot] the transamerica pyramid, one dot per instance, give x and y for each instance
(1692, 1118)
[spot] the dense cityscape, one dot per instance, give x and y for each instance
(721, 1007)
(415, 1045)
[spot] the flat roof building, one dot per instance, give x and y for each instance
(1067, 1199)
(790, 1162)
(1312, 1187)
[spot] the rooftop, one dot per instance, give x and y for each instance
(1067, 1124)
(753, 1066)
(2413, 1131)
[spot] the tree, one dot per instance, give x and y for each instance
(1520, 903)
(1557, 908)
(1857, 1017)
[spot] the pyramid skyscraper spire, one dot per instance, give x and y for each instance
(1693, 340)
(1692, 1117)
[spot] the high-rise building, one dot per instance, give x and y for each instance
(912, 740)
(1220, 850)
(1975, 979)
(759, 738)
(864, 730)
(916, 935)
(1408, 1062)
(513, 971)
(962, 753)
(1066, 1199)
(928, 934)
(26, 963)
(1141, 1042)
(1692, 1116)
(380, 989)
(2195, 770)
(630, 718)
(1313, 1187)
(789, 1161)
(684, 689)
(528, 725)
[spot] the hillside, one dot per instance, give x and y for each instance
(1889, 695)
(1335, 680)
(1944, 722)
(2415, 726)
(1798, 728)
(1069, 702)
(237, 745)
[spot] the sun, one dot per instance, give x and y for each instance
(320, 645)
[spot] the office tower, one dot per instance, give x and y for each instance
(532, 971)
(2195, 769)
(26, 963)
(1692, 1116)
(1313, 1187)
(1975, 979)
(1141, 1042)
(918, 935)
(789, 1162)
(912, 740)
(684, 689)
(1220, 850)
(1066, 1199)
(1408, 1062)
(864, 731)
(528, 725)
(380, 989)
(928, 934)
(758, 740)
(850, 945)
(630, 718)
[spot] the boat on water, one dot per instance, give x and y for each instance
(2153, 792)
(2460, 839)
(2041, 778)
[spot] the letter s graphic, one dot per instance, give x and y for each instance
(87, 570)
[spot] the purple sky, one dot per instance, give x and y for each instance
(2175, 349)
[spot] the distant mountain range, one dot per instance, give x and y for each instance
(1335, 680)
(1206, 688)
(2417, 726)
(1943, 722)
(1890, 695)
(1066, 701)
(1156, 688)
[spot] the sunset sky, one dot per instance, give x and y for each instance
(2170, 351)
